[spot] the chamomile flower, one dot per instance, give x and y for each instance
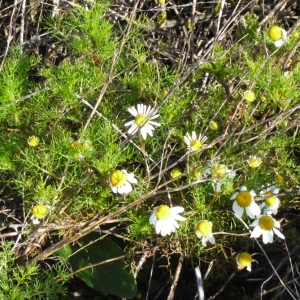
(221, 175)
(193, 143)
(204, 232)
(249, 96)
(254, 161)
(213, 125)
(143, 120)
(33, 141)
(39, 211)
(164, 219)
(244, 201)
(175, 173)
(120, 182)
(244, 260)
(266, 226)
(270, 204)
(277, 35)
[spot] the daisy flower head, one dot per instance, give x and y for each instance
(143, 120)
(249, 96)
(120, 182)
(221, 175)
(244, 260)
(39, 211)
(277, 35)
(244, 201)
(213, 125)
(254, 161)
(270, 204)
(175, 173)
(193, 142)
(204, 232)
(33, 141)
(164, 219)
(266, 226)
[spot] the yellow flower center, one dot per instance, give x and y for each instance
(244, 199)
(266, 223)
(213, 125)
(40, 211)
(163, 212)
(175, 173)
(271, 200)
(279, 179)
(275, 33)
(244, 259)
(249, 96)
(196, 145)
(219, 171)
(118, 178)
(254, 162)
(140, 120)
(204, 228)
(33, 141)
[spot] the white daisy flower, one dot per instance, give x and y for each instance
(39, 211)
(277, 35)
(254, 161)
(164, 219)
(244, 201)
(120, 181)
(204, 232)
(221, 175)
(143, 116)
(270, 204)
(265, 225)
(193, 143)
(244, 260)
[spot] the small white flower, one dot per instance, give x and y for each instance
(164, 219)
(143, 116)
(204, 232)
(277, 35)
(244, 201)
(265, 225)
(193, 143)
(221, 175)
(270, 205)
(254, 161)
(120, 181)
(39, 211)
(244, 260)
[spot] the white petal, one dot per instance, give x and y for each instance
(177, 209)
(238, 210)
(257, 231)
(233, 197)
(252, 193)
(204, 239)
(253, 210)
(217, 186)
(279, 43)
(243, 188)
(152, 219)
(255, 223)
(133, 111)
(278, 233)
(173, 223)
(133, 128)
(276, 223)
(114, 189)
(284, 34)
(158, 226)
(130, 178)
(144, 133)
(211, 239)
(268, 236)
(129, 123)
(148, 111)
(154, 123)
(140, 109)
(194, 136)
(178, 217)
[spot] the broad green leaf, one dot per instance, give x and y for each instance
(110, 278)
